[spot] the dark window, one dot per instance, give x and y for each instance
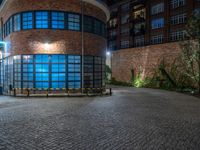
(97, 27)
(88, 24)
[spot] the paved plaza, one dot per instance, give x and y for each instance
(135, 119)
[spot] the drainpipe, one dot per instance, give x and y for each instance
(82, 42)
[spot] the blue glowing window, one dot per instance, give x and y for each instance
(42, 68)
(74, 59)
(17, 22)
(42, 85)
(42, 77)
(157, 23)
(27, 76)
(42, 20)
(58, 59)
(74, 22)
(27, 20)
(74, 67)
(27, 58)
(74, 76)
(58, 84)
(42, 59)
(58, 76)
(27, 67)
(58, 20)
(58, 68)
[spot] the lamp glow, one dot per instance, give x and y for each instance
(46, 46)
(108, 53)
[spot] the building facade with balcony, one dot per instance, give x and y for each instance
(52, 44)
(141, 33)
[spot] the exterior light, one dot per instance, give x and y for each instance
(108, 53)
(46, 46)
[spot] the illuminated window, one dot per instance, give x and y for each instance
(17, 22)
(41, 20)
(27, 20)
(58, 20)
(74, 22)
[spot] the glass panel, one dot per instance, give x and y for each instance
(58, 20)
(74, 22)
(41, 19)
(27, 20)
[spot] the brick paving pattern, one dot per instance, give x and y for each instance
(135, 119)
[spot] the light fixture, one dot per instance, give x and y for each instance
(46, 46)
(108, 53)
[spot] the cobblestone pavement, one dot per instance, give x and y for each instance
(136, 119)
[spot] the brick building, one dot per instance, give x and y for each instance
(52, 44)
(143, 32)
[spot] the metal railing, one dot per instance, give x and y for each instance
(48, 92)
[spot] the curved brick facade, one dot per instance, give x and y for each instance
(44, 45)
(60, 41)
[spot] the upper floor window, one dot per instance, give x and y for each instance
(157, 39)
(157, 23)
(27, 20)
(125, 7)
(17, 22)
(177, 3)
(158, 8)
(124, 43)
(88, 24)
(177, 35)
(97, 27)
(124, 19)
(41, 18)
(181, 18)
(58, 20)
(73, 22)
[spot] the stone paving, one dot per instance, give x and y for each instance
(135, 119)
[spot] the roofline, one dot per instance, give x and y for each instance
(97, 3)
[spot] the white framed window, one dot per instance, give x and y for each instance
(157, 39)
(178, 19)
(158, 8)
(177, 3)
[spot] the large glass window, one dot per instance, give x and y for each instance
(88, 24)
(52, 20)
(17, 22)
(41, 19)
(58, 71)
(41, 58)
(88, 71)
(27, 20)
(74, 22)
(97, 27)
(158, 8)
(74, 71)
(58, 20)
(157, 23)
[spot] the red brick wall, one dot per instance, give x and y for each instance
(15, 6)
(144, 60)
(60, 41)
